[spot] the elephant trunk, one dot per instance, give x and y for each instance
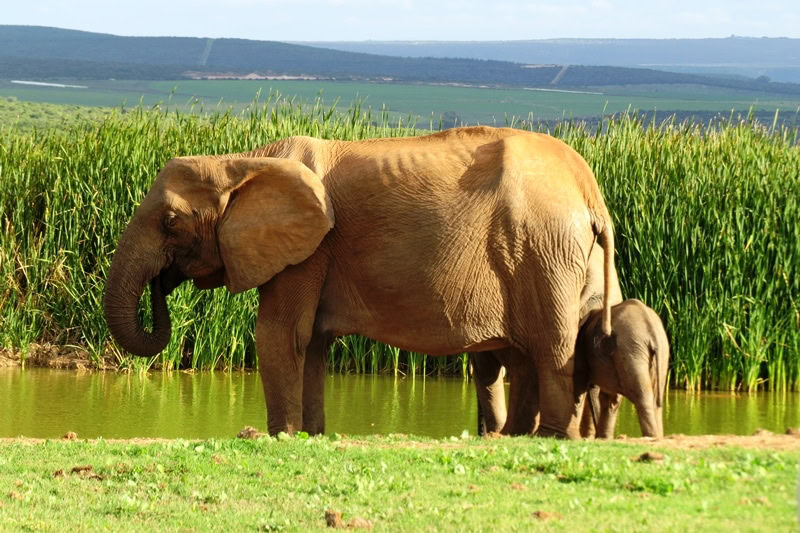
(130, 272)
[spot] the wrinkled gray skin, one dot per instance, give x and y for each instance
(523, 411)
(632, 362)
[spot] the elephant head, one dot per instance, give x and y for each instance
(632, 362)
(233, 221)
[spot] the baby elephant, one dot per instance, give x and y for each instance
(632, 362)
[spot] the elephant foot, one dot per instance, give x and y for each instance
(314, 429)
(544, 431)
(275, 428)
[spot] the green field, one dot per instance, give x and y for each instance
(429, 102)
(395, 483)
(23, 116)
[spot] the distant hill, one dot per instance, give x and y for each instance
(777, 58)
(33, 52)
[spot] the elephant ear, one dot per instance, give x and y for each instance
(277, 214)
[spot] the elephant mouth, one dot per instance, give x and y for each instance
(169, 279)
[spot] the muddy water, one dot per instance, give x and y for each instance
(48, 403)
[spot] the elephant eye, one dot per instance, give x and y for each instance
(170, 220)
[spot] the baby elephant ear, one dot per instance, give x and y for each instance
(277, 214)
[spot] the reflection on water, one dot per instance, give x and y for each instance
(719, 413)
(48, 403)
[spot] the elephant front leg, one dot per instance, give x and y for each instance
(281, 369)
(287, 306)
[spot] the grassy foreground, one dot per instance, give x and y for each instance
(397, 483)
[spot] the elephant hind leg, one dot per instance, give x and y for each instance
(560, 397)
(523, 400)
(563, 378)
(488, 376)
(314, 383)
(609, 409)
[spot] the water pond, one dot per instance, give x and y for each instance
(47, 403)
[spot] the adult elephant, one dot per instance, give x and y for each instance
(466, 240)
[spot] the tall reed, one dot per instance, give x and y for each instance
(706, 219)
(708, 234)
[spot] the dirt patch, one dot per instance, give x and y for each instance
(51, 356)
(405, 444)
(8, 358)
(548, 515)
(334, 520)
(762, 440)
(650, 457)
(84, 471)
(250, 433)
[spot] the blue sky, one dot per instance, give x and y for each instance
(337, 20)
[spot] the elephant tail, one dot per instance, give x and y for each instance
(605, 235)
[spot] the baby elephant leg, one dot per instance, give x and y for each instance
(590, 413)
(599, 418)
(607, 416)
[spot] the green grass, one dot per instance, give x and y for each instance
(705, 219)
(28, 116)
(469, 104)
(397, 483)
